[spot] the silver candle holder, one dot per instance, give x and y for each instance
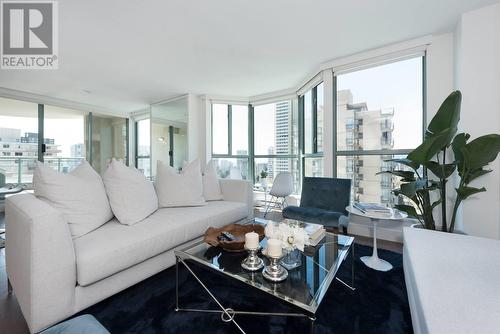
(252, 261)
(274, 271)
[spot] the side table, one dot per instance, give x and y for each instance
(374, 261)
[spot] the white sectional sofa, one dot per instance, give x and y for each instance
(55, 276)
(453, 282)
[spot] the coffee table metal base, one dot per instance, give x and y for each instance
(228, 314)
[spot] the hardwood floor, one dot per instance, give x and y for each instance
(11, 318)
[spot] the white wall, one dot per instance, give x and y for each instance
(478, 77)
(440, 83)
(197, 129)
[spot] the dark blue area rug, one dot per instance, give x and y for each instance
(379, 304)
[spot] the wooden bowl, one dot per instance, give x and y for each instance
(239, 231)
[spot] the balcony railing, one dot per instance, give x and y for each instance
(20, 170)
(386, 125)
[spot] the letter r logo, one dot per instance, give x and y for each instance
(27, 28)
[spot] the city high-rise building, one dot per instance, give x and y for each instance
(77, 150)
(359, 128)
(20, 152)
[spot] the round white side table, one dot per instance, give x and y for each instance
(374, 261)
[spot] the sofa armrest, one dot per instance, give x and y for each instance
(40, 260)
(238, 191)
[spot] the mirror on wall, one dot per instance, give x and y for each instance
(169, 121)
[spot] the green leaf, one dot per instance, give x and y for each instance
(441, 171)
(448, 114)
(464, 192)
(409, 209)
(410, 189)
(481, 151)
(407, 175)
(431, 146)
(406, 162)
(457, 145)
(475, 174)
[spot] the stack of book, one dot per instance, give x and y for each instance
(372, 208)
(316, 233)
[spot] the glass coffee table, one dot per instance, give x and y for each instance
(304, 288)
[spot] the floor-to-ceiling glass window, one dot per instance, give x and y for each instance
(275, 142)
(311, 104)
(64, 137)
(18, 141)
(230, 140)
(143, 146)
(379, 115)
(59, 136)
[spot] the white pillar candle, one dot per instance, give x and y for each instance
(251, 240)
(274, 248)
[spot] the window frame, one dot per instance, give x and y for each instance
(314, 108)
(137, 157)
(392, 152)
(289, 156)
(228, 154)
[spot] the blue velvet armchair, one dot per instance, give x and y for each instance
(323, 201)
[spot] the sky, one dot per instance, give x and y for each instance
(396, 85)
(65, 131)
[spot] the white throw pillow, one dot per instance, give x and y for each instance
(131, 195)
(79, 195)
(211, 186)
(179, 189)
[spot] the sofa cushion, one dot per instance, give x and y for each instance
(115, 247)
(313, 215)
(79, 195)
(453, 282)
(211, 185)
(83, 324)
(131, 195)
(179, 189)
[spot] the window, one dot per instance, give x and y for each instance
(220, 129)
(379, 115)
(274, 148)
(232, 168)
(230, 141)
(64, 138)
(276, 144)
(312, 105)
(273, 128)
(18, 135)
(239, 128)
(143, 146)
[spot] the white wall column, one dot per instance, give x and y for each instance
(478, 77)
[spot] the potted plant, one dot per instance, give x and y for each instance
(470, 160)
(263, 178)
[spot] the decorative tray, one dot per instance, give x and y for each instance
(237, 230)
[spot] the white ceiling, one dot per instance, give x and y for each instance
(131, 53)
